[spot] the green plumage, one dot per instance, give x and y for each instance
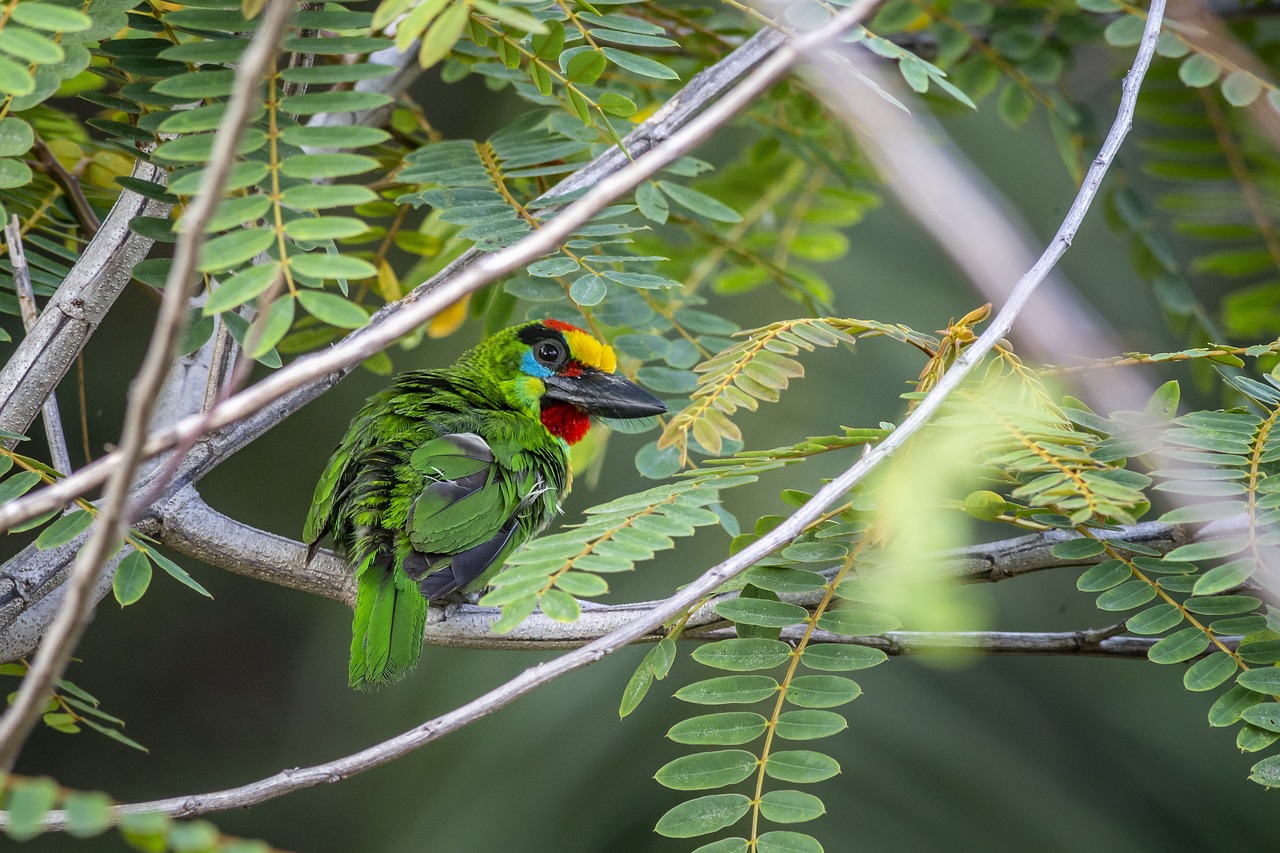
(441, 476)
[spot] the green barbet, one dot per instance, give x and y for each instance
(446, 472)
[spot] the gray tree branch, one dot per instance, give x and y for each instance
(75, 310)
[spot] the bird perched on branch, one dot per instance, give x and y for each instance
(446, 472)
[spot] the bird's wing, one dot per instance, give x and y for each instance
(467, 513)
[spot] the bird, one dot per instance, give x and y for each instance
(446, 472)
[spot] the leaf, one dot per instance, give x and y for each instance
(1212, 549)
(707, 770)
(1155, 620)
(51, 17)
(242, 287)
(585, 67)
(725, 729)
(809, 725)
(655, 664)
(1014, 105)
(852, 622)
(743, 655)
(1224, 577)
(312, 228)
(781, 841)
(325, 266)
(1105, 575)
(728, 690)
(1078, 549)
(1179, 646)
(176, 572)
(1126, 596)
(559, 606)
(14, 78)
(1265, 680)
(822, 691)
(639, 65)
(1199, 71)
(27, 803)
(230, 250)
(18, 485)
(16, 136)
(801, 766)
(344, 101)
(1228, 707)
(703, 816)
(132, 578)
(841, 658)
(88, 813)
(761, 612)
(64, 529)
(791, 807)
(1241, 88)
(442, 35)
(588, 290)
(1266, 772)
(333, 309)
(314, 166)
(1265, 715)
(699, 203)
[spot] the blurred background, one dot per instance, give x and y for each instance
(957, 754)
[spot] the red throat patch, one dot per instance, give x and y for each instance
(565, 421)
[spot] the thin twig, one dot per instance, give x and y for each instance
(58, 454)
(389, 750)
(51, 659)
(85, 215)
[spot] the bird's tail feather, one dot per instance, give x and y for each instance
(386, 637)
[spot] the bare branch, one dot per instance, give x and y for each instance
(58, 454)
(73, 314)
(108, 530)
(791, 527)
(189, 525)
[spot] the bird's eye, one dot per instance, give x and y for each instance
(550, 353)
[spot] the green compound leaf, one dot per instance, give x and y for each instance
(64, 529)
(132, 578)
(852, 622)
(88, 813)
(822, 691)
(707, 770)
(1266, 772)
(242, 287)
(782, 841)
(1078, 549)
(809, 725)
(333, 309)
(801, 766)
(1155, 620)
(1104, 576)
(727, 729)
(1179, 646)
(743, 655)
(761, 612)
(728, 690)
(791, 807)
(27, 803)
(831, 657)
(703, 816)
(1265, 680)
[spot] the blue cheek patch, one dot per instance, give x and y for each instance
(530, 366)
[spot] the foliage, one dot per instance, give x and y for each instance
(344, 195)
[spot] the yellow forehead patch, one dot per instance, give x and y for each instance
(590, 351)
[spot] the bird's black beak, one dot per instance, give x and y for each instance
(605, 395)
